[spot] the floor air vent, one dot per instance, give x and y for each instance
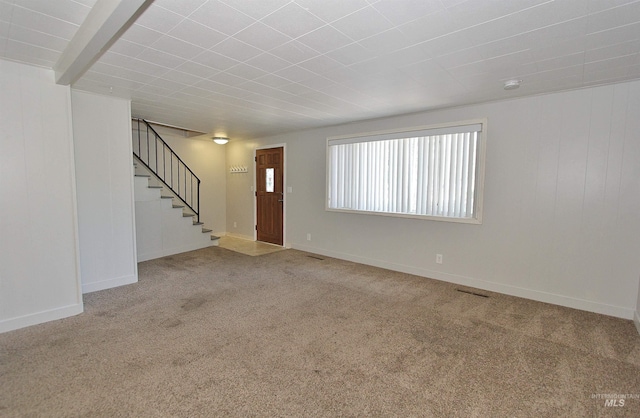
(473, 293)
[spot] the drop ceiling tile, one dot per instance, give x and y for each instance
(141, 35)
(183, 7)
(197, 34)
(362, 24)
(612, 51)
(120, 72)
(196, 69)
(295, 88)
(471, 13)
(177, 47)
(293, 20)
(295, 73)
(33, 37)
(294, 52)
(606, 76)
(159, 19)
(235, 49)
(429, 27)
(214, 60)
(618, 16)
(330, 10)
(612, 63)
(400, 12)
(385, 42)
(272, 80)
(133, 64)
(20, 51)
(318, 83)
(227, 79)
(65, 10)
(558, 49)
(181, 77)
(325, 39)
(112, 81)
(55, 27)
(168, 84)
(160, 58)
(262, 36)
(351, 54)
(446, 44)
(124, 47)
(160, 92)
(341, 75)
(459, 58)
(256, 9)
(207, 85)
(613, 36)
(246, 71)
(570, 60)
(4, 29)
(321, 64)
(269, 63)
(222, 17)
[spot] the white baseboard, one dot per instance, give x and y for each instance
(636, 320)
(40, 317)
(585, 305)
(171, 251)
(109, 283)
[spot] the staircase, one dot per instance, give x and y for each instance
(167, 199)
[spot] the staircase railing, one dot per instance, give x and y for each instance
(155, 154)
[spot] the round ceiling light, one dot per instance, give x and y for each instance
(220, 140)
(512, 84)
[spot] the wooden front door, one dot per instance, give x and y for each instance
(270, 194)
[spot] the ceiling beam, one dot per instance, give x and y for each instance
(104, 24)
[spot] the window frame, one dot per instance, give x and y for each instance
(480, 169)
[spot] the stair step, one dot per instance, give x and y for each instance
(187, 215)
(178, 206)
(213, 238)
(142, 175)
(166, 197)
(205, 230)
(155, 187)
(198, 223)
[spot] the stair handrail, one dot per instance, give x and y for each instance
(186, 198)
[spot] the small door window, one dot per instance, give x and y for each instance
(270, 180)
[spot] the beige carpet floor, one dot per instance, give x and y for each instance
(217, 333)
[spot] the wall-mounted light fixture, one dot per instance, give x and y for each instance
(220, 140)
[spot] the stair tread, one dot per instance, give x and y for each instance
(155, 187)
(142, 175)
(166, 197)
(177, 206)
(205, 230)
(213, 238)
(198, 223)
(186, 215)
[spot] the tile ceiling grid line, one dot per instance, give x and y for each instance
(44, 14)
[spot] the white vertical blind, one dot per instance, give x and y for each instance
(433, 174)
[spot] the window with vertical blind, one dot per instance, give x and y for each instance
(428, 172)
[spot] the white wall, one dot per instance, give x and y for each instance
(208, 161)
(39, 262)
(561, 204)
(104, 181)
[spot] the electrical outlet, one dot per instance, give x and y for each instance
(439, 258)
(308, 237)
